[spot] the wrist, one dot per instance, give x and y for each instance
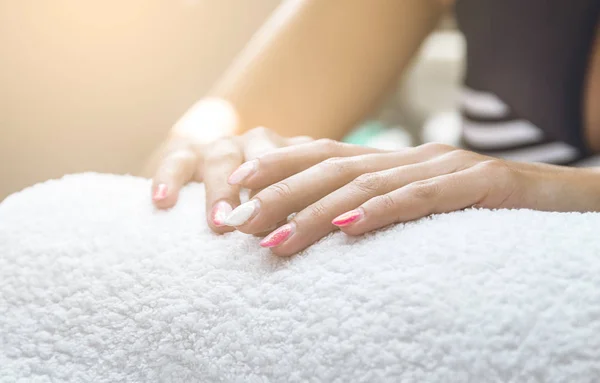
(588, 186)
(567, 189)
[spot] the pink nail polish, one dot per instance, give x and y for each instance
(219, 212)
(244, 171)
(160, 193)
(277, 237)
(348, 218)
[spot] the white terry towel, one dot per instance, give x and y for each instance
(95, 285)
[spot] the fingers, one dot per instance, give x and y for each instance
(299, 140)
(285, 162)
(276, 202)
(221, 198)
(221, 160)
(315, 222)
(259, 141)
(175, 169)
(488, 184)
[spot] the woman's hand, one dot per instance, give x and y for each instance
(202, 147)
(359, 193)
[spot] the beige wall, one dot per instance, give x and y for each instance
(94, 85)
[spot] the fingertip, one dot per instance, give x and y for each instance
(280, 253)
(284, 251)
(242, 216)
(354, 230)
(361, 227)
(351, 231)
(219, 213)
(165, 203)
(219, 229)
(160, 192)
(163, 196)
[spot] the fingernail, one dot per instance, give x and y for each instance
(219, 213)
(160, 193)
(243, 172)
(279, 236)
(348, 218)
(241, 214)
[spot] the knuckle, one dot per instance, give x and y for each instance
(457, 154)
(177, 142)
(335, 164)
(333, 161)
(327, 144)
(181, 155)
(281, 190)
(384, 202)
(317, 211)
(436, 148)
(174, 161)
(495, 168)
(223, 153)
(460, 158)
(303, 139)
(368, 183)
(260, 131)
(426, 189)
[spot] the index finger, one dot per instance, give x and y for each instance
(282, 163)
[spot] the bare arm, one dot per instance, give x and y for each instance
(317, 67)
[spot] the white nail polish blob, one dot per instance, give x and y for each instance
(241, 214)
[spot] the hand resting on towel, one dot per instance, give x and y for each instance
(332, 185)
(305, 73)
(359, 192)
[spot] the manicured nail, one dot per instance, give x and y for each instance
(243, 172)
(219, 212)
(279, 236)
(348, 218)
(160, 193)
(241, 214)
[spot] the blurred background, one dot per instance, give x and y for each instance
(96, 85)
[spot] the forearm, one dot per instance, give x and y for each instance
(317, 67)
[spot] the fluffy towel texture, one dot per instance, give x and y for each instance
(98, 286)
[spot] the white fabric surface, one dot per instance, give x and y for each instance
(98, 286)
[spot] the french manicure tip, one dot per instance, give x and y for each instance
(219, 212)
(241, 214)
(160, 193)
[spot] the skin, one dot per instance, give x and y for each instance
(400, 186)
(276, 81)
